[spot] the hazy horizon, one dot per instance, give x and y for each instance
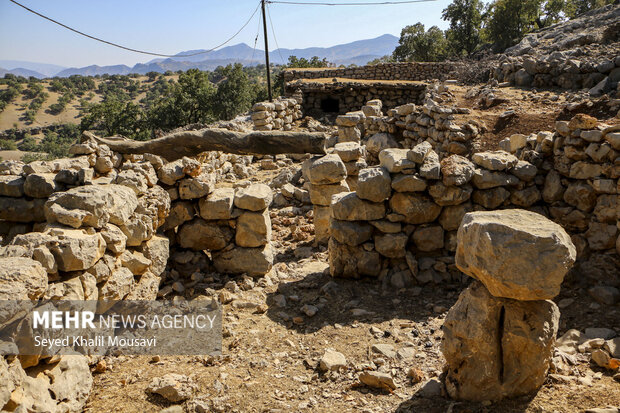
(166, 28)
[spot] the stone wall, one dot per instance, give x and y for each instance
(383, 71)
(276, 115)
(102, 225)
(559, 70)
(342, 97)
(401, 221)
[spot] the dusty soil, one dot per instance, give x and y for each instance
(269, 362)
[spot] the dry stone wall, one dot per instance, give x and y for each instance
(560, 70)
(383, 71)
(341, 96)
(401, 221)
(102, 226)
(277, 115)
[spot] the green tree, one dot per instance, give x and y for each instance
(314, 61)
(190, 101)
(415, 44)
(508, 21)
(234, 94)
(465, 17)
(114, 117)
(576, 7)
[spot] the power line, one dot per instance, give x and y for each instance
(255, 41)
(381, 3)
(274, 35)
(129, 48)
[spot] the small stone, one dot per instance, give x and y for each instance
(332, 360)
(377, 380)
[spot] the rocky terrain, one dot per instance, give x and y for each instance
(460, 253)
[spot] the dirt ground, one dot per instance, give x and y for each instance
(269, 360)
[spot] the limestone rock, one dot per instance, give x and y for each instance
(118, 285)
(408, 183)
(349, 151)
(418, 153)
(21, 279)
(93, 205)
(380, 141)
(332, 361)
(157, 250)
(456, 170)
(11, 185)
(497, 348)
(76, 249)
(114, 238)
(253, 229)
(21, 209)
(417, 208)
(429, 238)
(347, 206)
(491, 198)
(322, 194)
(352, 262)
(255, 197)
(326, 170)
(40, 185)
(395, 161)
(431, 168)
(198, 187)
(391, 245)
(378, 380)
(515, 253)
(252, 261)
(350, 232)
(201, 235)
(449, 195)
(582, 121)
(173, 387)
(374, 184)
(218, 205)
(485, 179)
(173, 171)
(495, 160)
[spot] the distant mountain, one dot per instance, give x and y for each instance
(359, 52)
(94, 70)
(44, 69)
(20, 71)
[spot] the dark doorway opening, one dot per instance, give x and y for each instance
(330, 105)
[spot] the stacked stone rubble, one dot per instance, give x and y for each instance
(232, 224)
(498, 337)
(412, 203)
(325, 176)
(277, 115)
(354, 157)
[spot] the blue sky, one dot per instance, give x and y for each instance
(169, 27)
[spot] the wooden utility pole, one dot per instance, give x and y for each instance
(267, 53)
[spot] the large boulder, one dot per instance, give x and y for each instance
(495, 347)
(515, 253)
(218, 205)
(93, 206)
